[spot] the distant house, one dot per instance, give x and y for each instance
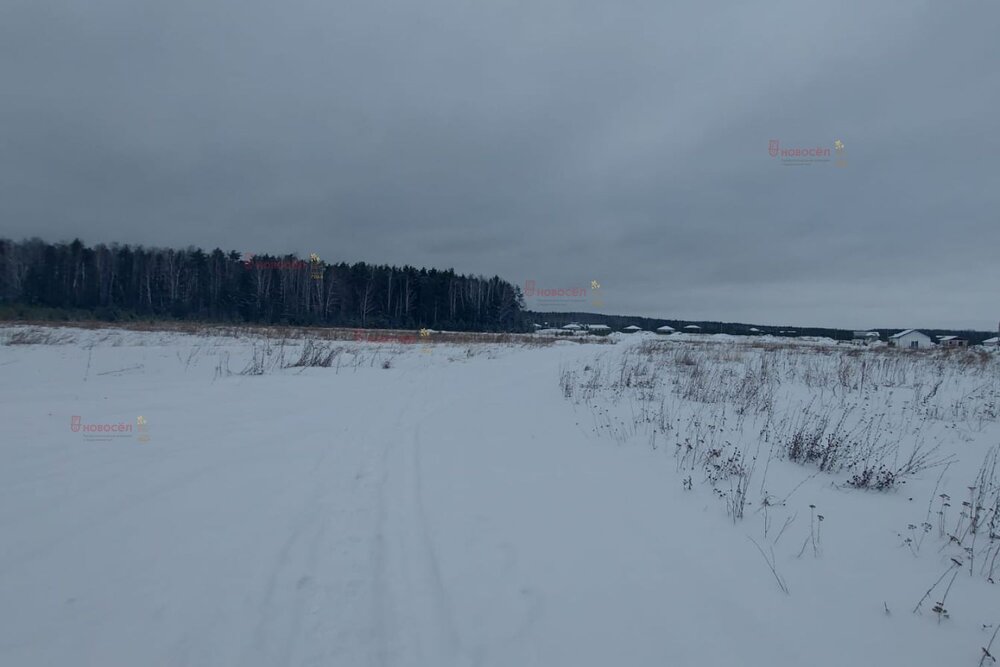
(992, 342)
(865, 337)
(952, 341)
(664, 330)
(631, 329)
(692, 328)
(911, 339)
(598, 329)
(754, 330)
(572, 327)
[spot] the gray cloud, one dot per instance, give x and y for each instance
(553, 141)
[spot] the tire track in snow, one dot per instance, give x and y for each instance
(281, 610)
(382, 632)
(442, 602)
(517, 644)
(408, 579)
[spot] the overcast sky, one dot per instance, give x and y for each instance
(560, 142)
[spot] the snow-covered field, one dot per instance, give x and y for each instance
(649, 502)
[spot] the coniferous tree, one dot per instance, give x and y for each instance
(132, 281)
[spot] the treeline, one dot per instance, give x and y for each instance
(114, 282)
(618, 322)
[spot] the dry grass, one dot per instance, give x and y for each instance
(717, 405)
(277, 332)
(38, 336)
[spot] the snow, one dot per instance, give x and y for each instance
(455, 508)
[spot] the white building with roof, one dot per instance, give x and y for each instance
(911, 339)
(631, 329)
(952, 341)
(598, 329)
(865, 337)
(665, 329)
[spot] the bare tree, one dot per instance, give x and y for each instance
(366, 304)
